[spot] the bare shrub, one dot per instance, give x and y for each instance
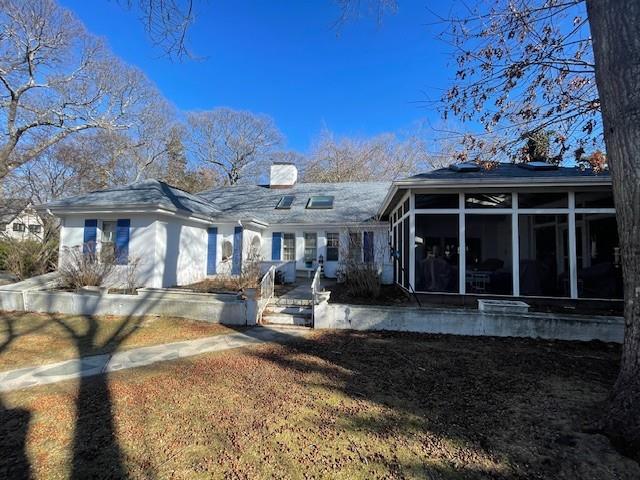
(250, 272)
(131, 275)
(80, 269)
(29, 258)
(361, 278)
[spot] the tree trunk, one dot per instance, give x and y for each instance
(615, 27)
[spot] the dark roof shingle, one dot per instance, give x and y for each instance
(508, 171)
(354, 202)
(152, 193)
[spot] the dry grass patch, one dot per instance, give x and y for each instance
(336, 405)
(29, 339)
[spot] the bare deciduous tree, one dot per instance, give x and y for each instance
(235, 142)
(523, 67)
(350, 9)
(384, 157)
(57, 80)
(167, 23)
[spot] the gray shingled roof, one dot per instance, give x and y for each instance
(147, 193)
(508, 171)
(10, 208)
(353, 202)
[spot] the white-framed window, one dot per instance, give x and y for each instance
(333, 246)
(35, 228)
(227, 250)
(107, 240)
(289, 247)
(355, 246)
(18, 227)
(310, 248)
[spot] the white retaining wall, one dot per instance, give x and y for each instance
(227, 309)
(469, 322)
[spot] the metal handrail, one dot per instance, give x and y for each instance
(267, 290)
(315, 285)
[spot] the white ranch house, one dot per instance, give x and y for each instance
(179, 238)
(514, 230)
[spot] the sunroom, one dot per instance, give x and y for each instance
(512, 230)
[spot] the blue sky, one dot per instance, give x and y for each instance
(285, 60)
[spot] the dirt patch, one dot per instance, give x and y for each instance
(389, 295)
(214, 285)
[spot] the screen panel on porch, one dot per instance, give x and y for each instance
(488, 254)
(544, 255)
(436, 253)
(598, 256)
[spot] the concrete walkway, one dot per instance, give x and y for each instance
(138, 357)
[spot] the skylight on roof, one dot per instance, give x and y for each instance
(465, 167)
(285, 202)
(320, 202)
(538, 166)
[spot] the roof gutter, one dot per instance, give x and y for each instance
(126, 208)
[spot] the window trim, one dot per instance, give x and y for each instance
(286, 249)
(311, 206)
(314, 257)
(333, 247)
(282, 202)
(112, 243)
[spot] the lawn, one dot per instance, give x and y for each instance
(333, 405)
(28, 339)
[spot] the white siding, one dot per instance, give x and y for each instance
(142, 241)
(27, 217)
(180, 252)
(381, 248)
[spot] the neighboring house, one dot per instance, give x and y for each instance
(20, 221)
(514, 230)
(177, 238)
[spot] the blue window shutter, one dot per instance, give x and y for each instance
(368, 247)
(236, 265)
(122, 241)
(276, 245)
(212, 245)
(90, 237)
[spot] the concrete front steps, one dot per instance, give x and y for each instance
(277, 313)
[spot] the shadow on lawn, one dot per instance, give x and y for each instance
(493, 403)
(96, 453)
(14, 422)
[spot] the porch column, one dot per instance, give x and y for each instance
(462, 255)
(573, 260)
(515, 245)
(412, 241)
